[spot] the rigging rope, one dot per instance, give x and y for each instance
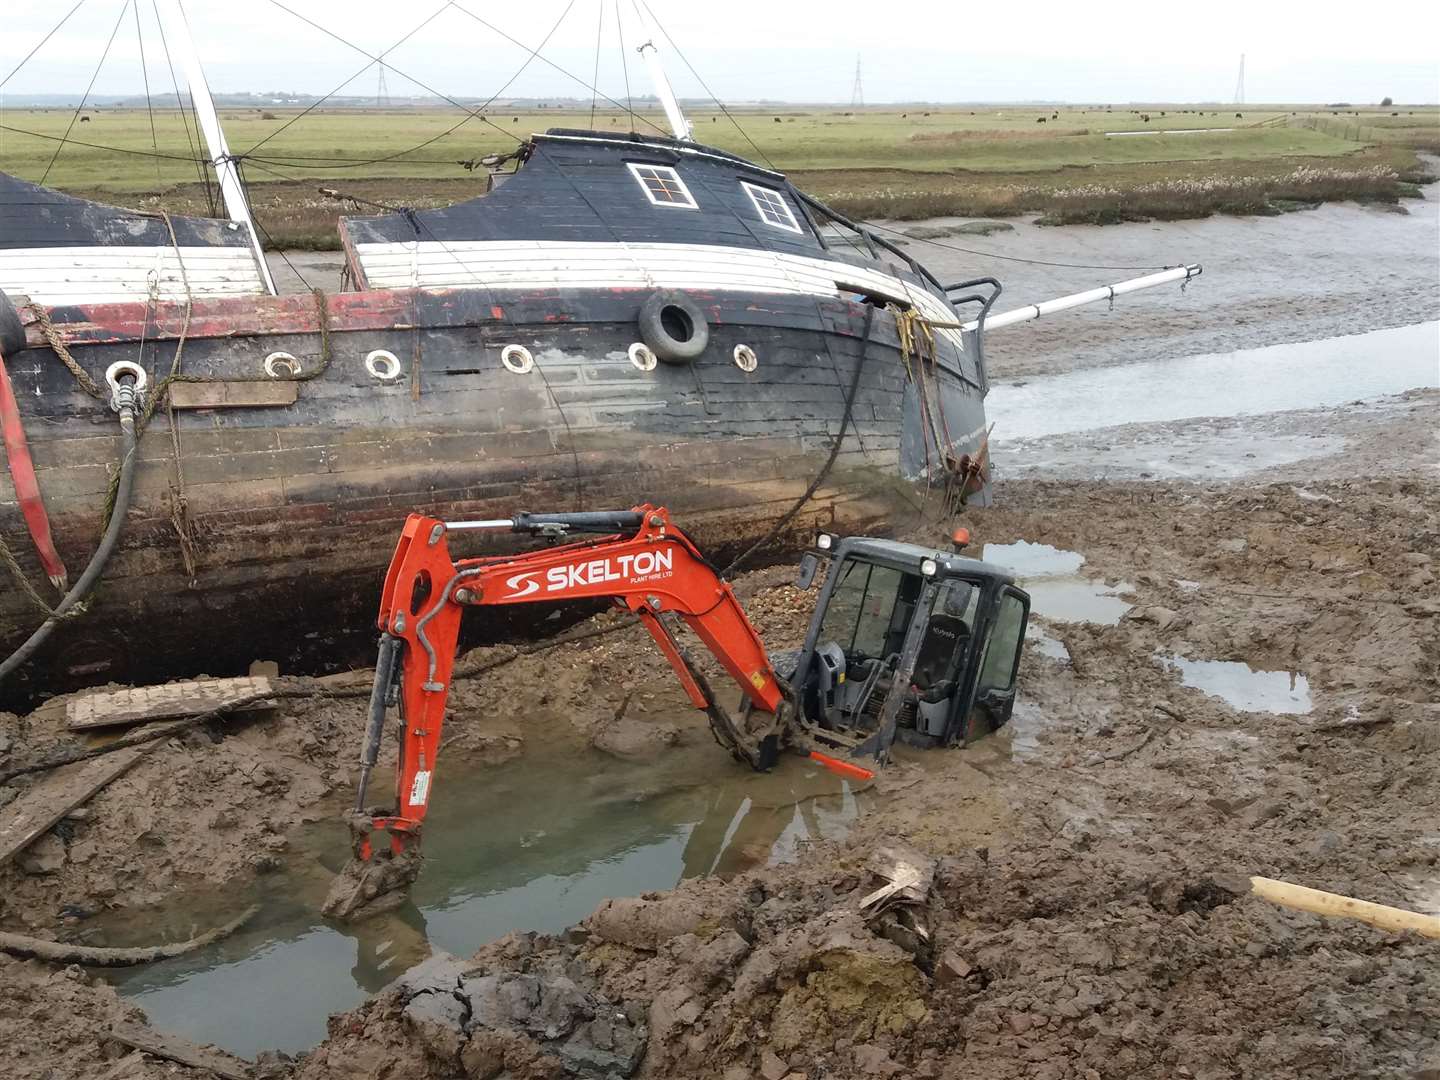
(99, 146)
(373, 61)
(95, 75)
(200, 171)
(625, 65)
(705, 86)
(595, 77)
(145, 78)
(568, 74)
(41, 44)
(350, 163)
(1011, 258)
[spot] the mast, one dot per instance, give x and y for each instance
(232, 190)
(648, 49)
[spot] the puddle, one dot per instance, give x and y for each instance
(1057, 590)
(1027, 723)
(1277, 378)
(1046, 645)
(1242, 687)
(536, 844)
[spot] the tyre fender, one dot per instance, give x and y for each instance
(674, 327)
(12, 330)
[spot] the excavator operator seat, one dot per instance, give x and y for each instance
(941, 661)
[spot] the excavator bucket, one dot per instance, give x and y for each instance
(372, 881)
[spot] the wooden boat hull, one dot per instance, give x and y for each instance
(269, 540)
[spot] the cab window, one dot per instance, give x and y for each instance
(862, 608)
(1003, 649)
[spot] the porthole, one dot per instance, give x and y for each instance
(517, 358)
(745, 358)
(383, 365)
(277, 360)
(642, 356)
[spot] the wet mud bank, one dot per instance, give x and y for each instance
(1087, 914)
(1233, 670)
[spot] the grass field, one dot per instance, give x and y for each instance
(894, 163)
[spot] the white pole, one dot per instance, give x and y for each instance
(1105, 292)
(231, 189)
(648, 49)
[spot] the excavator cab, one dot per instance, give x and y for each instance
(906, 642)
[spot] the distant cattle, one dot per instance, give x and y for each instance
(1239, 116)
(1039, 119)
(84, 119)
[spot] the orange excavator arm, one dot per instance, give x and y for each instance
(645, 565)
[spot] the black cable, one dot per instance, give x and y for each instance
(53, 31)
(850, 394)
(373, 61)
(76, 114)
(595, 78)
(569, 75)
(704, 86)
(82, 588)
(145, 78)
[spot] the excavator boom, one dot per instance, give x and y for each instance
(645, 565)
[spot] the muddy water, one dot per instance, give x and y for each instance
(1242, 687)
(1058, 591)
(536, 844)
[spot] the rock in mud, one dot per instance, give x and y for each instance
(635, 740)
(444, 1015)
(45, 856)
(647, 922)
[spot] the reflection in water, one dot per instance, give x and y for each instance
(536, 844)
(1242, 687)
(1057, 589)
(1305, 375)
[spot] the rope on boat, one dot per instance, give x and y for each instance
(917, 342)
(61, 350)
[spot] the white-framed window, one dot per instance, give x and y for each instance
(772, 207)
(663, 186)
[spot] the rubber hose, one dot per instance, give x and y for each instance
(108, 541)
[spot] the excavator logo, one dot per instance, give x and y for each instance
(522, 584)
(641, 566)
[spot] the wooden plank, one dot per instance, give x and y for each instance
(141, 703)
(248, 393)
(174, 1048)
(37, 811)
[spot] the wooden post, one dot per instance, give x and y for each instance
(1346, 907)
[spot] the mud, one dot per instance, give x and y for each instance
(1088, 917)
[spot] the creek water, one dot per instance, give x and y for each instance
(1248, 382)
(534, 844)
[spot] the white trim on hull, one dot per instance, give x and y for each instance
(113, 274)
(549, 264)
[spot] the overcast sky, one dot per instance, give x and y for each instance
(935, 50)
